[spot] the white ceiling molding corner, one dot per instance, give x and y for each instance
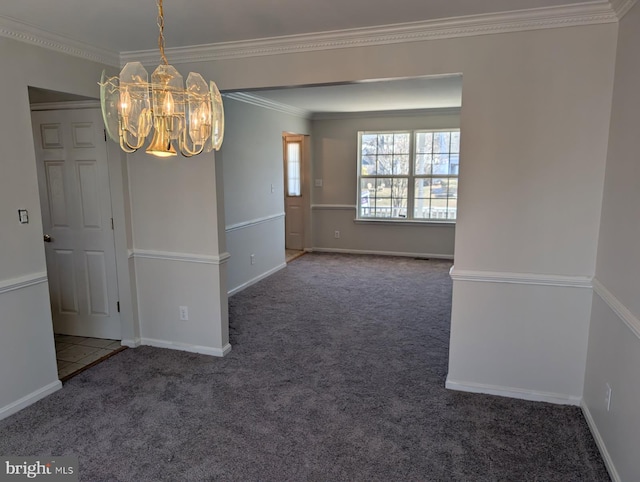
(587, 13)
(22, 32)
(621, 7)
(267, 104)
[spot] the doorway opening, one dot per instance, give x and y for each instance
(77, 221)
(294, 195)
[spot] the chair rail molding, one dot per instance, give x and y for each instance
(177, 256)
(13, 284)
(521, 278)
(254, 222)
(629, 319)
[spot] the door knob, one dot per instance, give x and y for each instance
(47, 238)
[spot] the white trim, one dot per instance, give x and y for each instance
(203, 350)
(176, 256)
(608, 461)
(254, 222)
(134, 343)
(30, 399)
(30, 34)
(510, 392)
(22, 282)
(258, 101)
(406, 222)
(622, 7)
(521, 278)
(617, 307)
(386, 113)
(333, 207)
(253, 281)
(73, 104)
(383, 253)
(587, 13)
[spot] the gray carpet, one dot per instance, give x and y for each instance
(337, 374)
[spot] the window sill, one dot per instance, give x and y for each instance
(405, 222)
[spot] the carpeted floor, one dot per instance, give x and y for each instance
(337, 374)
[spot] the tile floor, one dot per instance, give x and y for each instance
(73, 353)
(291, 254)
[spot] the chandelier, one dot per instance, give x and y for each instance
(190, 119)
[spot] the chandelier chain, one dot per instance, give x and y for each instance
(161, 32)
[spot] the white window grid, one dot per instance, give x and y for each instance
(446, 214)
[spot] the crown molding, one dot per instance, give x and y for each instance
(587, 13)
(74, 104)
(267, 104)
(385, 113)
(621, 7)
(23, 32)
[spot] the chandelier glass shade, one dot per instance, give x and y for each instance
(189, 118)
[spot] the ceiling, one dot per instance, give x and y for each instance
(130, 25)
(121, 26)
(383, 95)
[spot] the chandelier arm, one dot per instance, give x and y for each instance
(183, 144)
(125, 146)
(124, 141)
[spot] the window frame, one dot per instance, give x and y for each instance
(411, 177)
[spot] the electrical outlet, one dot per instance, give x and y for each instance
(336, 234)
(252, 259)
(273, 189)
(607, 396)
(184, 313)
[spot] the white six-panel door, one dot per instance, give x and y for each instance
(75, 199)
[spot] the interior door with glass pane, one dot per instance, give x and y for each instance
(293, 199)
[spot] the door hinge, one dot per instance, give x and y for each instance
(111, 223)
(118, 304)
(104, 131)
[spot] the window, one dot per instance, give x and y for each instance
(408, 175)
(293, 149)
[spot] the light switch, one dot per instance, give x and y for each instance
(318, 182)
(23, 215)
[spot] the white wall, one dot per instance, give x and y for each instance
(534, 128)
(335, 159)
(252, 160)
(534, 122)
(179, 252)
(27, 354)
(614, 339)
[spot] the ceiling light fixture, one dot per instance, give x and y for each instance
(131, 107)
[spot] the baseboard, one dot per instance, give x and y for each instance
(519, 393)
(134, 343)
(203, 350)
(608, 462)
(253, 281)
(33, 397)
(381, 253)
